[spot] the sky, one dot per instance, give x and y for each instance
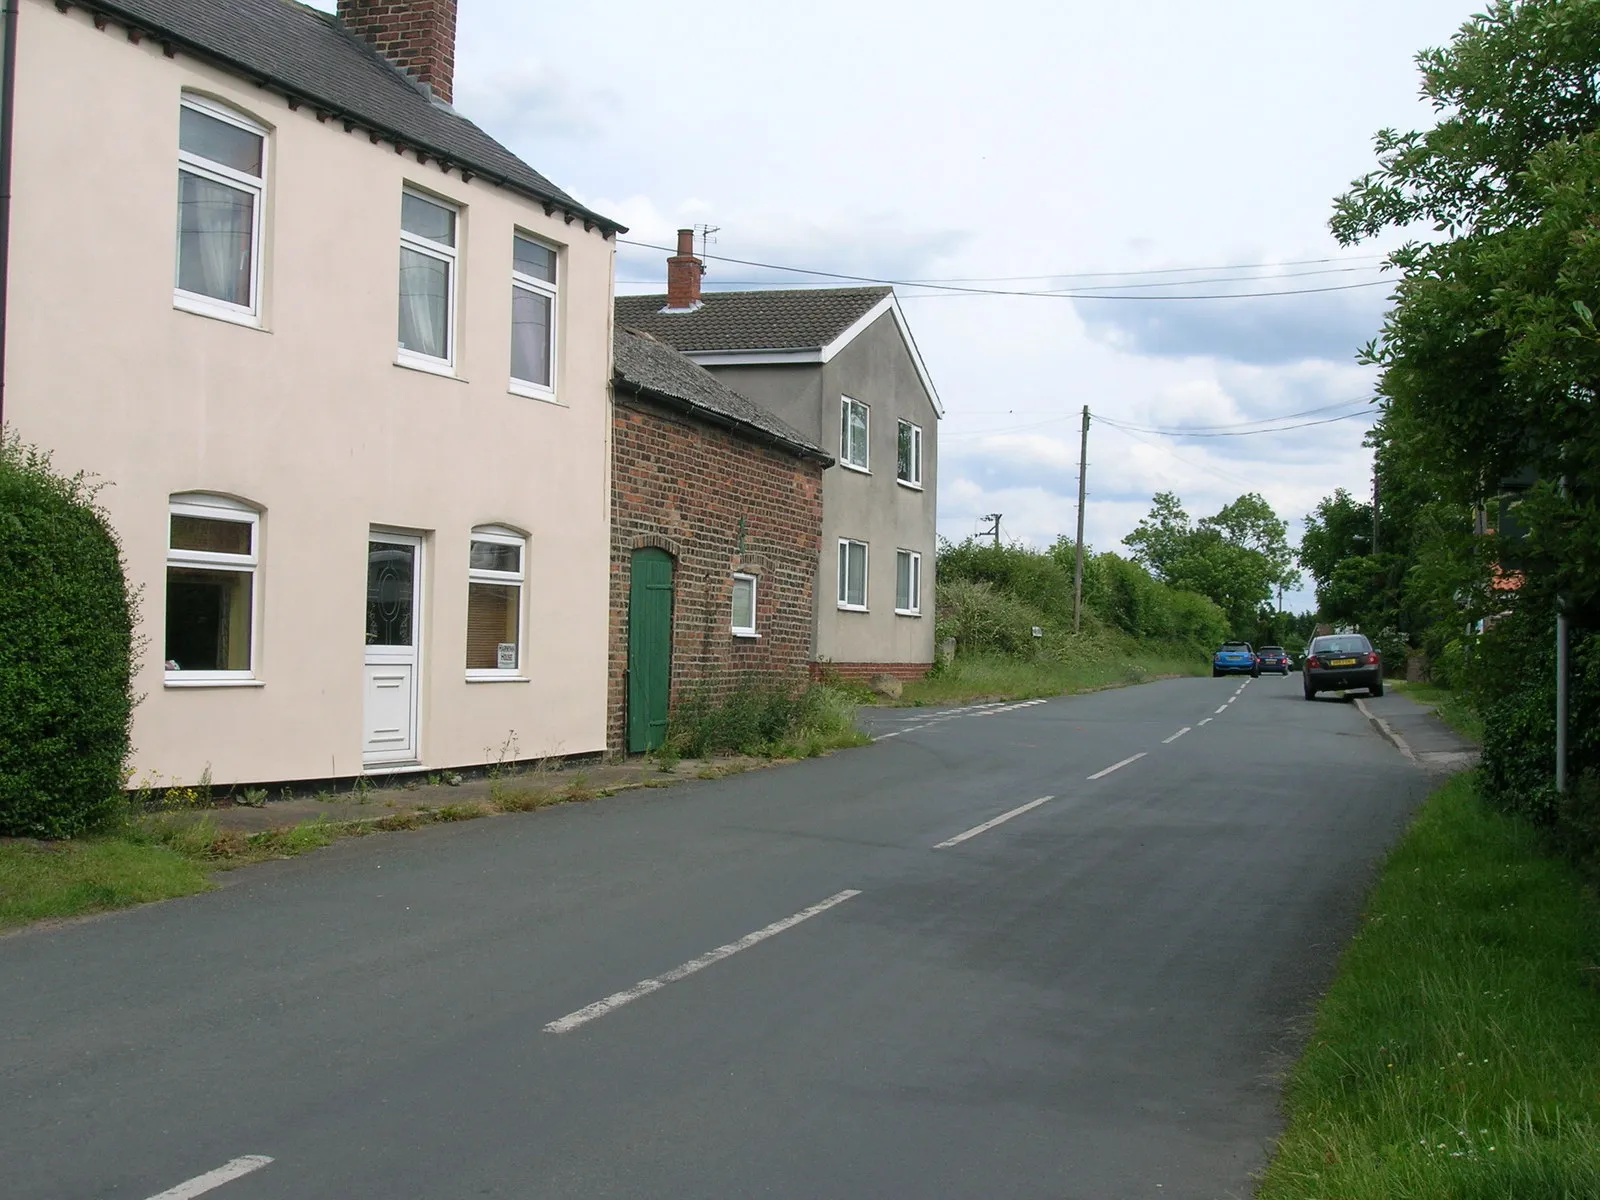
(1018, 146)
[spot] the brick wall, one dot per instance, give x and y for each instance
(418, 36)
(684, 487)
(859, 672)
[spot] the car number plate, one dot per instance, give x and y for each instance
(1341, 662)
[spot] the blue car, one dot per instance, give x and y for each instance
(1235, 658)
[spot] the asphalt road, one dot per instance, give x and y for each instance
(645, 997)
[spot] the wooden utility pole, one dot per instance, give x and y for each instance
(1077, 569)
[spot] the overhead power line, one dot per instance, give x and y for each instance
(1309, 412)
(1185, 433)
(1108, 287)
(977, 291)
(1265, 424)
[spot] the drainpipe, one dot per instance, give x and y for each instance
(8, 91)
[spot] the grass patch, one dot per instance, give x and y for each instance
(1000, 677)
(1449, 705)
(96, 874)
(1458, 1052)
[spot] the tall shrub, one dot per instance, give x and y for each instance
(66, 648)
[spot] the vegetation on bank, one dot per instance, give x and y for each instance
(1487, 448)
(1457, 1051)
(775, 719)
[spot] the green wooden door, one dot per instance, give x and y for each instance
(649, 648)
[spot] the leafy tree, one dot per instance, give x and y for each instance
(1235, 558)
(1340, 527)
(1490, 355)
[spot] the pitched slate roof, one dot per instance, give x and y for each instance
(646, 366)
(799, 319)
(310, 56)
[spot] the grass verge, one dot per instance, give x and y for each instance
(999, 677)
(164, 855)
(1457, 1053)
(1449, 705)
(39, 880)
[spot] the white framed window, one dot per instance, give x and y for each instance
(908, 457)
(853, 418)
(533, 317)
(495, 573)
(211, 590)
(428, 249)
(744, 606)
(222, 183)
(852, 575)
(908, 583)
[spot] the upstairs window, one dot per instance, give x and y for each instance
(494, 603)
(908, 465)
(744, 606)
(427, 282)
(853, 434)
(533, 317)
(222, 179)
(852, 574)
(211, 585)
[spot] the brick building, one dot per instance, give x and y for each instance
(716, 528)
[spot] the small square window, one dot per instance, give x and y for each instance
(744, 605)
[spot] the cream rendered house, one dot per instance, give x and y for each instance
(342, 361)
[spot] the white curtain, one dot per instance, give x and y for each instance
(214, 234)
(424, 303)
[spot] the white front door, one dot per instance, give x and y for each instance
(394, 628)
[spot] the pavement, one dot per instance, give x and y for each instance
(1062, 950)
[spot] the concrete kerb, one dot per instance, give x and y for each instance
(1433, 745)
(382, 802)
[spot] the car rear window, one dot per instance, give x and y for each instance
(1272, 649)
(1236, 645)
(1352, 643)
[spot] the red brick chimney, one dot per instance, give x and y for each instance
(418, 36)
(683, 274)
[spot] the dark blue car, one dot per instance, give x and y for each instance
(1235, 658)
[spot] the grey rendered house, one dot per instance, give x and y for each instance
(840, 366)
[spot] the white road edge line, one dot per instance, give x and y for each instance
(644, 987)
(226, 1173)
(1175, 737)
(990, 824)
(1119, 765)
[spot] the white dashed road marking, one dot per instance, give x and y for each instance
(1224, 708)
(990, 824)
(1208, 720)
(654, 984)
(1117, 766)
(993, 708)
(1175, 737)
(226, 1173)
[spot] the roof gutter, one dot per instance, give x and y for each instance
(754, 432)
(8, 94)
(297, 96)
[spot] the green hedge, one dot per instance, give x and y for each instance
(66, 652)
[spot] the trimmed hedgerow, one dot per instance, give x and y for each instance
(65, 654)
